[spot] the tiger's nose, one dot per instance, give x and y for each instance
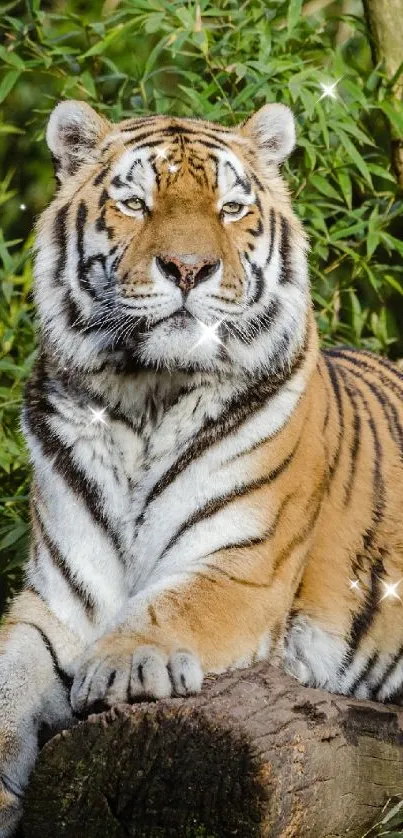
(187, 271)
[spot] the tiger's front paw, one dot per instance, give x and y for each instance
(146, 674)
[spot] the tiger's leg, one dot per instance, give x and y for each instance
(229, 612)
(36, 651)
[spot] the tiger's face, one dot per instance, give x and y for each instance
(171, 242)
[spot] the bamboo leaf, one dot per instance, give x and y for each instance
(7, 83)
(355, 156)
(294, 14)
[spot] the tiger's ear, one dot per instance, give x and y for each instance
(73, 133)
(273, 130)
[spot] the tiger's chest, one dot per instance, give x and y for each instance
(173, 491)
(178, 483)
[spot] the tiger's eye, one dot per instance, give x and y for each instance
(232, 208)
(134, 204)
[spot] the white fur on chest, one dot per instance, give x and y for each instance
(163, 534)
(223, 468)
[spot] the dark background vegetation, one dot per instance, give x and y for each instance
(219, 60)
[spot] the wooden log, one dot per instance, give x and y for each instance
(256, 754)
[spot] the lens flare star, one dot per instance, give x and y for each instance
(161, 153)
(98, 415)
(329, 91)
(354, 585)
(391, 590)
(208, 334)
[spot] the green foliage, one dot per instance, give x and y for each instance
(390, 823)
(219, 59)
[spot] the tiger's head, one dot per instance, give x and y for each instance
(171, 243)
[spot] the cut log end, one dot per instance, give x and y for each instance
(165, 768)
(255, 754)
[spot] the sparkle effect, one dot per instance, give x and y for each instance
(391, 590)
(161, 153)
(208, 334)
(328, 90)
(98, 415)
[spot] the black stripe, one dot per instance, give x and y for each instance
(392, 665)
(157, 173)
(360, 678)
(255, 231)
(60, 239)
(390, 412)
(327, 413)
(387, 407)
(385, 362)
(174, 129)
(239, 181)
(378, 483)
(183, 392)
(258, 539)
(395, 427)
(214, 162)
(272, 235)
(355, 356)
(79, 481)
(74, 316)
(397, 696)
(102, 175)
(241, 544)
(216, 504)
(252, 329)
(355, 446)
(66, 679)
(258, 182)
(339, 402)
(363, 619)
(259, 281)
(201, 133)
(198, 169)
(220, 570)
(103, 198)
(149, 139)
(36, 412)
(285, 252)
(152, 143)
(87, 601)
(139, 123)
(82, 266)
(144, 141)
(303, 534)
(240, 408)
(102, 226)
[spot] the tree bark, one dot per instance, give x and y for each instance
(256, 754)
(385, 21)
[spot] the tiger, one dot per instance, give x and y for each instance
(210, 488)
